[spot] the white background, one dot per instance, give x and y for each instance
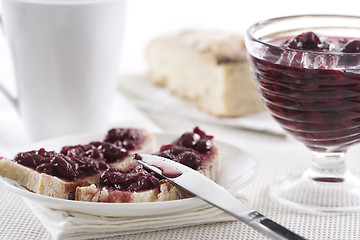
(147, 19)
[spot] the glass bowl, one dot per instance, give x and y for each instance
(310, 84)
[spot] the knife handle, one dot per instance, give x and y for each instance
(271, 228)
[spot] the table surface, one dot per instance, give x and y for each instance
(277, 155)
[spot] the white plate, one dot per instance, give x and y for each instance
(134, 87)
(237, 170)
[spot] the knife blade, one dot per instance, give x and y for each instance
(214, 194)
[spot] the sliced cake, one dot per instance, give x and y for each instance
(208, 68)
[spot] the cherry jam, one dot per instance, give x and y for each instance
(79, 161)
(133, 179)
(311, 85)
(59, 165)
(192, 149)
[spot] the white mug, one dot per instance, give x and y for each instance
(65, 55)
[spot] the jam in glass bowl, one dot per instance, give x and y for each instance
(307, 70)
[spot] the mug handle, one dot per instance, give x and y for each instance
(9, 96)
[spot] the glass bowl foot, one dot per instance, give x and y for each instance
(326, 194)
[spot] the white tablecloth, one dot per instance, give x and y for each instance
(277, 155)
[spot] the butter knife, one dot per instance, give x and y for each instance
(214, 194)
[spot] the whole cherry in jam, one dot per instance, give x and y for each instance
(112, 152)
(188, 139)
(64, 167)
(204, 145)
(305, 41)
(128, 138)
(196, 140)
(183, 155)
(49, 162)
(145, 182)
(88, 166)
(103, 151)
(135, 178)
(33, 158)
(190, 149)
(352, 47)
(349, 59)
(88, 150)
(189, 159)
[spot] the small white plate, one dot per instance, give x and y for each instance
(134, 87)
(238, 169)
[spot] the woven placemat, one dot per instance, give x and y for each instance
(277, 156)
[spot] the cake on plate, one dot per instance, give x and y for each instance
(207, 67)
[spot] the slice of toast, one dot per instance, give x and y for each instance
(166, 192)
(211, 168)
(42, 183)
(54, 186)
(94, 194)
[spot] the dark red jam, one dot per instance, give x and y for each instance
(133, 179)
(115, 147)
(128, 138)
(75, 162)
(197, 140)
(103, 150)
(59, 165)
(79, 161)
(311, 85)
(192, 149)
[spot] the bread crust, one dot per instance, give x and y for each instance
(93, 194)
(42, 183)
